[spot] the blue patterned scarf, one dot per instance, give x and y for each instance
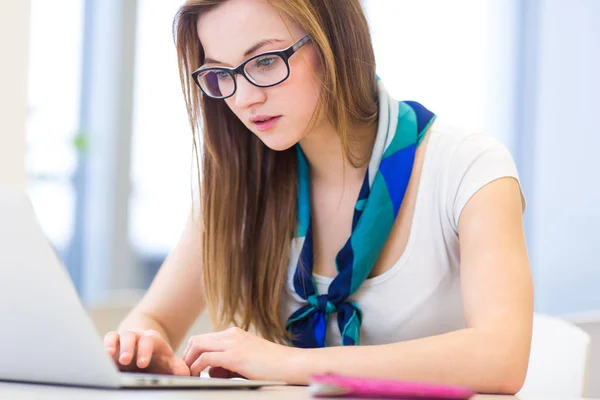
(401, 128)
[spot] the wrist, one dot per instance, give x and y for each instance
(301, 366)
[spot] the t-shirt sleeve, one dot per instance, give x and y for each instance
(477, 161)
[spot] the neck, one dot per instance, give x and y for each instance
(328, 164)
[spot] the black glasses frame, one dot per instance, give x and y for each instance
(285, 54)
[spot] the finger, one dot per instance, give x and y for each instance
(205, 338)
(161, 346)
(117, 351)
(111, 343)
(191, 343)
(187, 348)
(128, 346)
(205, 343)
(196, 350)
(209, 359)
(145, 348)
(178, 367)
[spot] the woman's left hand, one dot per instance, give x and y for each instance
(235, 352)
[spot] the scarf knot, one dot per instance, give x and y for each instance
(322, 304)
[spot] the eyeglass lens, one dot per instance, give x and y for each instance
(266, 70)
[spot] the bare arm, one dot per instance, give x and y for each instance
(491, 354)
(175, 297)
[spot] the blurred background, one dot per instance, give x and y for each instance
(93, 123)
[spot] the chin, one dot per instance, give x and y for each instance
(278, 142)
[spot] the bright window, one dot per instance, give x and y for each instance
(162, 140)
(54, 86)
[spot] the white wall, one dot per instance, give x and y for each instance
(456, 57)
(565, 161)
(14, 42)
(563, 166)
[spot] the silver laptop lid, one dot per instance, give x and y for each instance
(45, 334)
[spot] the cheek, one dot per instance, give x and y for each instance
(302, 100)
(304, 91)
(236, 110)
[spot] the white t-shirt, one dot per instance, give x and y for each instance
(420, 295)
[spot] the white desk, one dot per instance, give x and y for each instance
(29, 391)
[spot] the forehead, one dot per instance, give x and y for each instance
(228, 30)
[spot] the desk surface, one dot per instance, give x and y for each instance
(30, 391)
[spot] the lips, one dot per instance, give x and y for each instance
(264, 123)
(262, 117)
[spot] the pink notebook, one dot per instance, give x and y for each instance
(331, 385)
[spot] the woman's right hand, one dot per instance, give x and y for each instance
(143, 351)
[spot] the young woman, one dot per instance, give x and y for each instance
(340, 230)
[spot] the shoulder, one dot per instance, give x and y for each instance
(463, 162)
(456, 143)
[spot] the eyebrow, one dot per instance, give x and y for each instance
(247, 53)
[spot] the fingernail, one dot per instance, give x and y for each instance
(142, 361)
(123, 356)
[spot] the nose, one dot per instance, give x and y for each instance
(247, 94)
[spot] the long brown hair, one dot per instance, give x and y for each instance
(248, 191)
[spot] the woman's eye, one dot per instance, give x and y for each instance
(265, 62)
(222, 75)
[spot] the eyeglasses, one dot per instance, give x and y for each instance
(262, 70)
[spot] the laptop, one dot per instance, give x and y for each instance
(46, 335)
